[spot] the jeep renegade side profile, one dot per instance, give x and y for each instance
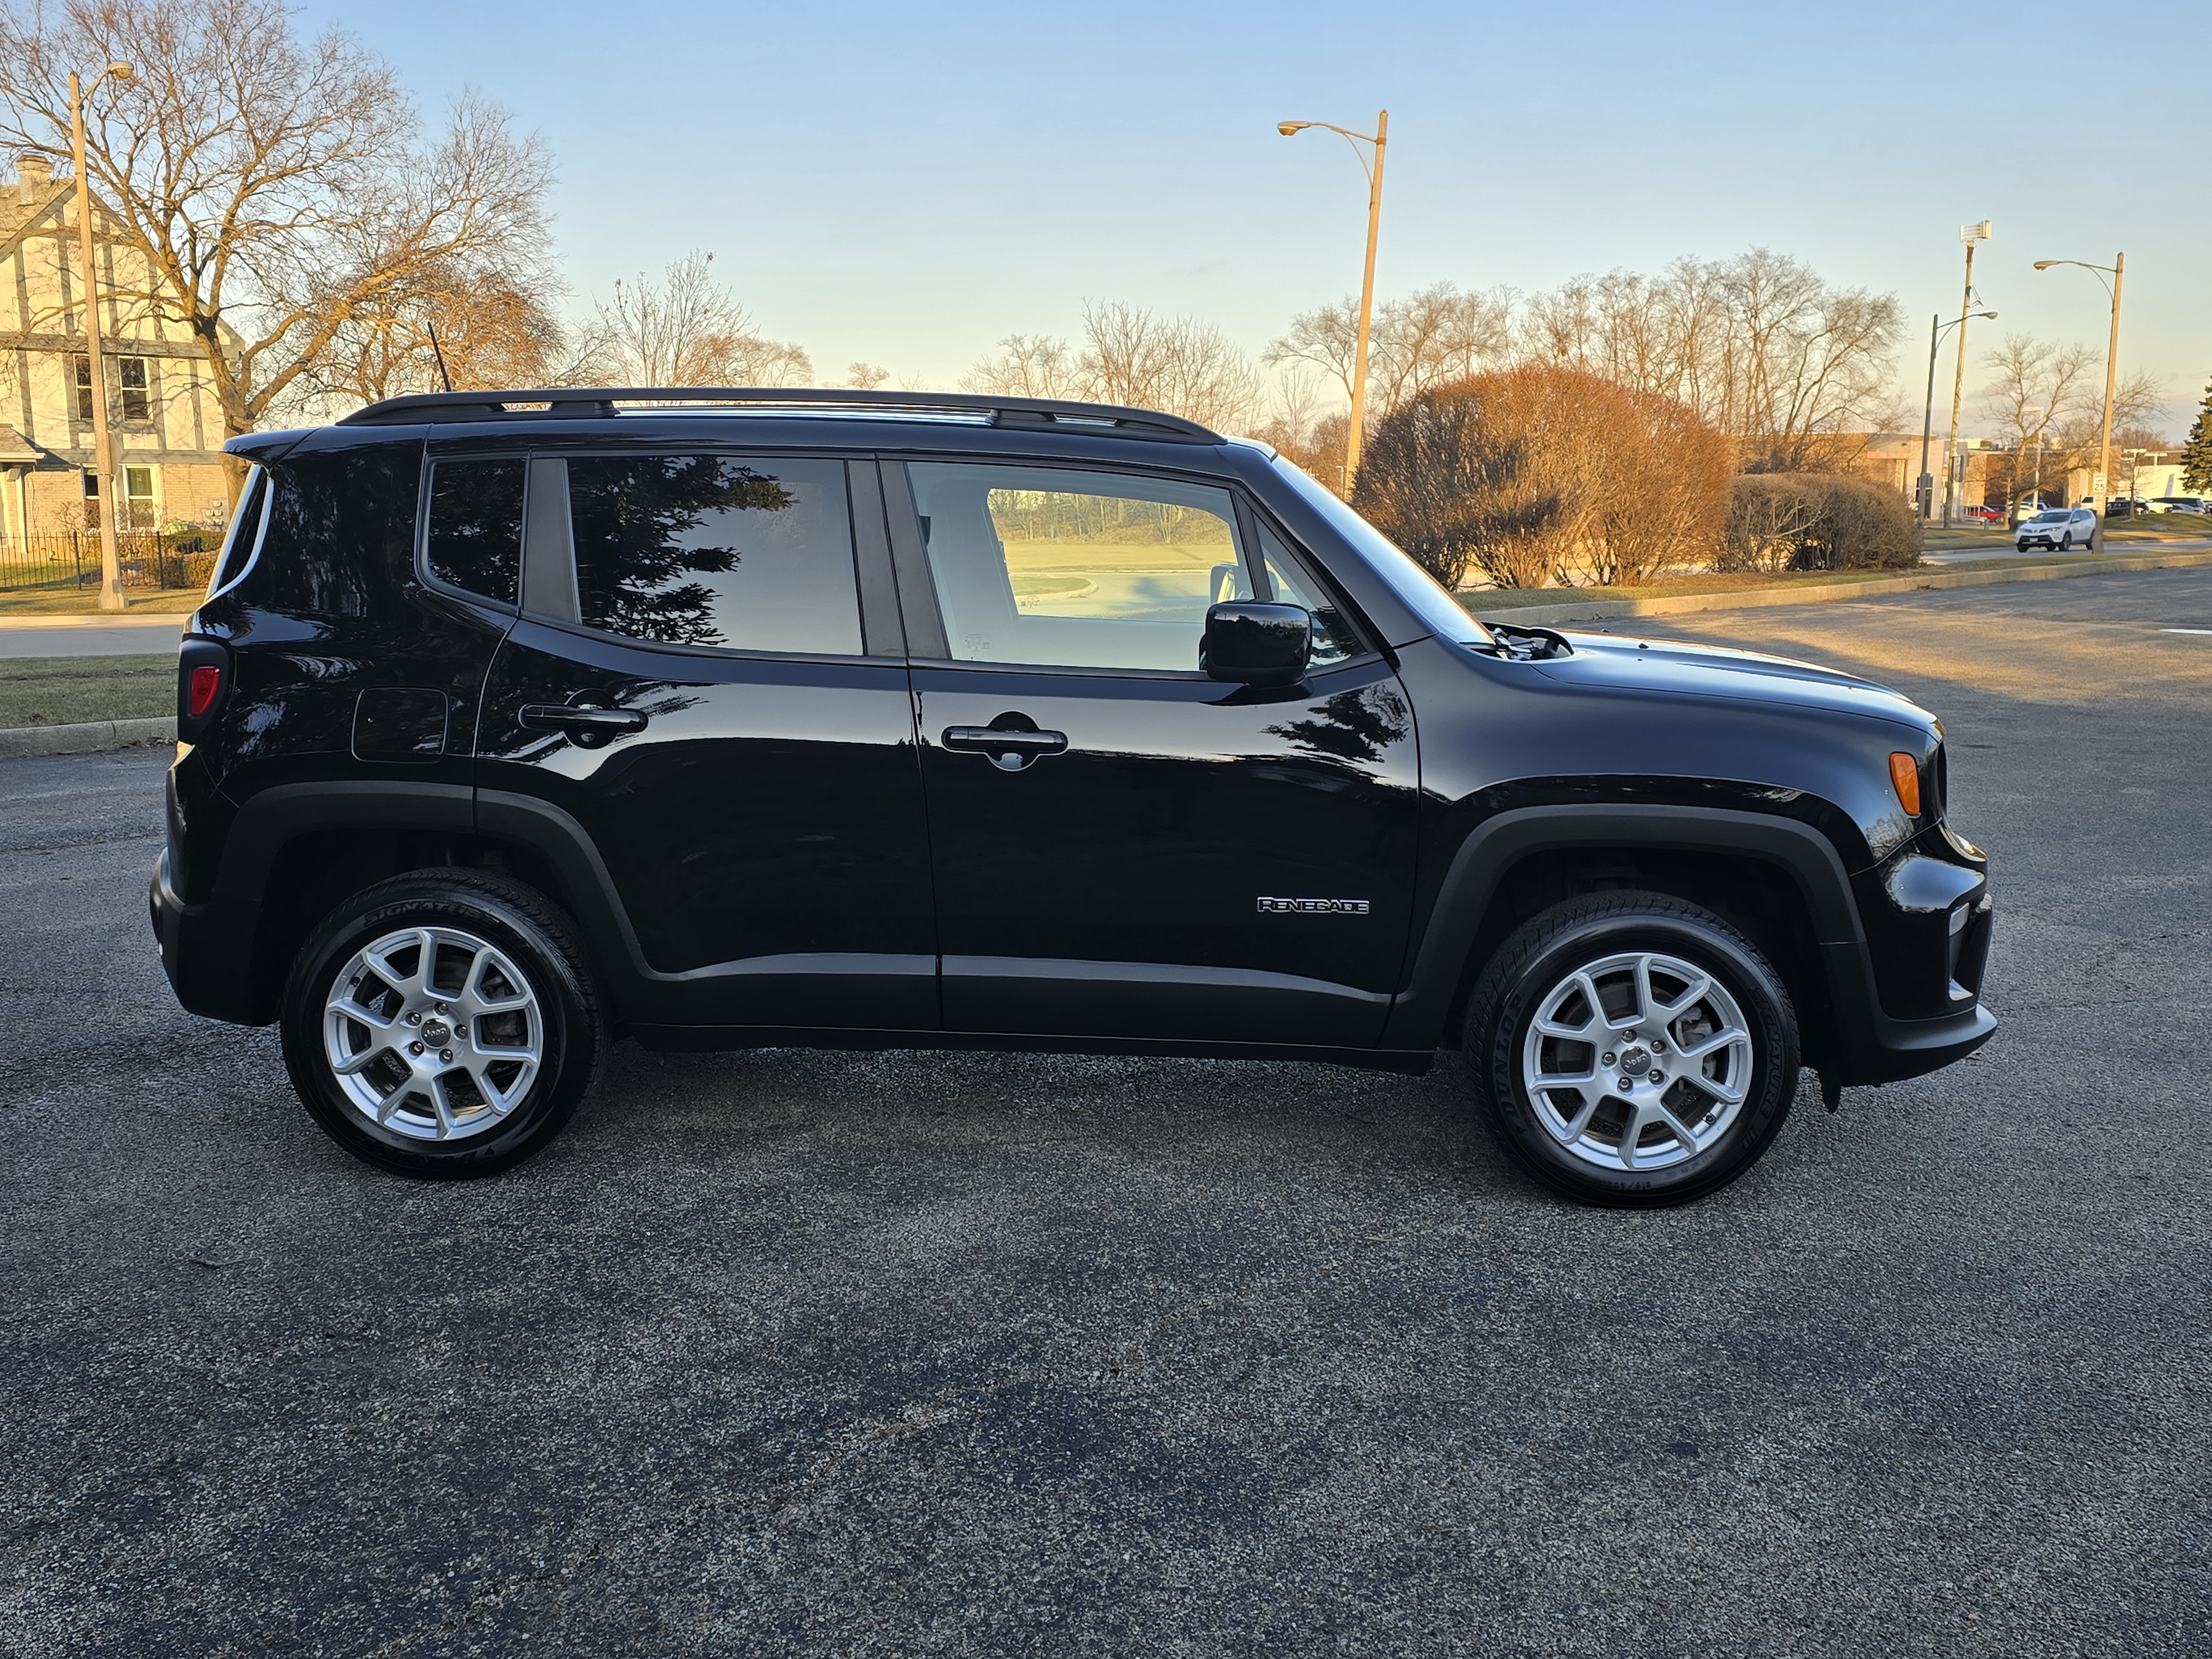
(516, 723)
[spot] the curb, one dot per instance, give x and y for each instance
(1749, 599)
(88, 737)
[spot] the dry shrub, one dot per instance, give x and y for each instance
(1543, 474)
(1782, 521)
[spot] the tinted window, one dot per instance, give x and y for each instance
(341, 528)
(1420, 592)
(1076, 569)
(244, 530)
(751, 554)
(1333, 638)
(476, 526)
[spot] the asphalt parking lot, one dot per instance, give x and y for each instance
(914, 1354)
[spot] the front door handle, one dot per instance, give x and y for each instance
(587, 727)
(1009, 750)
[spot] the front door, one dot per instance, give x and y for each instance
(694, 684)
(1122, 847)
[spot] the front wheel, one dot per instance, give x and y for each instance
(2066, 543)
(442, 1024)
(1632, 1049)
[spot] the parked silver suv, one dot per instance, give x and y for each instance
(2065, 528)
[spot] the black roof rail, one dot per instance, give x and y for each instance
(598, 403)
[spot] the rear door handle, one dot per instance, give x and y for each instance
(1009, 750)
(587, 726)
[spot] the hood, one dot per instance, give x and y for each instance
(1605, 660)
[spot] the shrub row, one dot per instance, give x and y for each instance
(1543, 474)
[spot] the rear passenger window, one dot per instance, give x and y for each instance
(750, 554)
(476, 526)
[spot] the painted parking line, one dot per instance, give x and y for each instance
(2185, 630)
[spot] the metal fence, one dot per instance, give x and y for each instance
(65, 561)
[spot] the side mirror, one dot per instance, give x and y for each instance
(1248, 644)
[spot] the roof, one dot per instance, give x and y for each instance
(601, 402)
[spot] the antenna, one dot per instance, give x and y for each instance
(440, 352)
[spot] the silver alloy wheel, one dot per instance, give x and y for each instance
(1637, 1062)
(433, 1033)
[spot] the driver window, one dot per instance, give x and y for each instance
(1076, 569)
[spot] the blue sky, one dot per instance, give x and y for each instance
(906, 184)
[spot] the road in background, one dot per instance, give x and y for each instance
(104, 636)
(905, 1354)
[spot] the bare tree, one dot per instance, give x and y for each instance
(1298, 424)
(2038, 391)
(278, 188)
(1027, 365)
(1130, 356)
(688, 330)
(1759, 346)
(1814, 361)
(866, 377)
(1429, 337)
(1178, 365)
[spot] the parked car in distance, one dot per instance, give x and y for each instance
(2124, 506)
(2061, 528)
(516, 723)
(2182, 504)
(1985, 514)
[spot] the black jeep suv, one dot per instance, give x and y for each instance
(515, 723)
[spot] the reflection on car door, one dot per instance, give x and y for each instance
(1150, 854)
(694, 683)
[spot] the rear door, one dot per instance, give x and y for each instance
(1122, 847)
(696, 686)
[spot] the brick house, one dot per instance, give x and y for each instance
(163, 408)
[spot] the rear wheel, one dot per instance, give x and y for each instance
(1631, 1049)
(442, 1024)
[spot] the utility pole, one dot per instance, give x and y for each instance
(2111, 368)
(1969, 234)
(2101, 490)
(1378, 142)
(103, 468)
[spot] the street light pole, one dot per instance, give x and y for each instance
(1928, 423)
(111, 562)
(1936, 329)
(1379, 141)
(2101, 494)
(1970, 234)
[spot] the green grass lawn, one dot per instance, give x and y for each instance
(63, 690)
(71, 601)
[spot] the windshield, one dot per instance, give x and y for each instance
(1422, 595)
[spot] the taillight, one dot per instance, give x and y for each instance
(203, 685)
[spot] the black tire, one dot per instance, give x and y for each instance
(2066, 543)
(1535, 962)
(536, 939)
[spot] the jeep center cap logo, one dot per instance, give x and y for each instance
(1313, 907)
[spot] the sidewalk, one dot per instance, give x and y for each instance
(101, 634)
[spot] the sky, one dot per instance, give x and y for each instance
(907, 183)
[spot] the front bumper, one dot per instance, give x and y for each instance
(1907, 993)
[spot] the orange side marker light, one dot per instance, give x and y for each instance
(1905, 773)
